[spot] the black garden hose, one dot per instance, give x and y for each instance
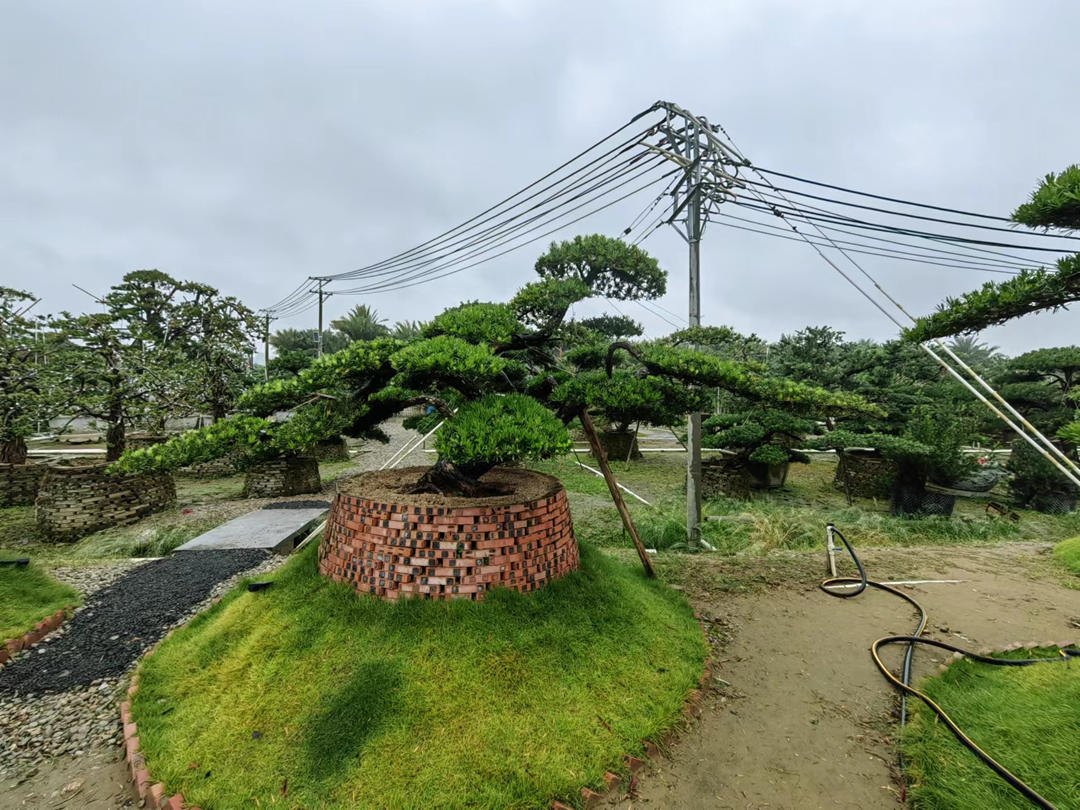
(903, 683)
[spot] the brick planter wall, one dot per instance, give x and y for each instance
(215, 468)
(290, 475)
(402, 549)
(333, 450)
(19, 483)
(76, 501)
(717, 479)
(864, 476)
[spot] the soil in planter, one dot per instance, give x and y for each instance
(517, 484)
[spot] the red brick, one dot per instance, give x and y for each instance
(156, 795)
(130, 730)
(633, 763)
(591, 797)
(142, 782)
(175, 802)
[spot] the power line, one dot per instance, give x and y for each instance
(882, 197)
(770, 207)
(479, 219)
(401, 284)
(492, 234)
(956, 264)
(909, 215)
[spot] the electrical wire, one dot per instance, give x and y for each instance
(397, 284)
(899, 255)
(907, 215)
(769, 206)
(880, 196)
(903, 683)
(492, 212)
(608, 172)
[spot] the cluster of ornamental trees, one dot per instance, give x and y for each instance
(152, 348)
(507, 377)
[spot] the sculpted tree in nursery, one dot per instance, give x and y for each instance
(1054, 205)
(160, 347)
(494, 371)
(24, 394)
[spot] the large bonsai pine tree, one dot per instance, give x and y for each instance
(1055, 204)
(495, 372)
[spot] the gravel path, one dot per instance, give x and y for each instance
(60, 697)
(58, 700)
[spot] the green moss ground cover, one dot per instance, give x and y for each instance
(1068, 554)
(1027, 718)
(307, 695)
(28, 595)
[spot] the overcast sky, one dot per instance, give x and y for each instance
(251, 144)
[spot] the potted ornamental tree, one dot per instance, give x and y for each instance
(493, 371)
(762, 443)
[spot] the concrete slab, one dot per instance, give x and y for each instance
(276, 530)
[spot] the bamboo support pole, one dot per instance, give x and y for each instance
(616, 495)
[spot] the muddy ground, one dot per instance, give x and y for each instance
(799, 716)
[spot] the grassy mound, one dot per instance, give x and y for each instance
(1068, 554)
(28, 595)
(1024, 717)
(306, 695)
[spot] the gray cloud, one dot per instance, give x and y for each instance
(249, 145)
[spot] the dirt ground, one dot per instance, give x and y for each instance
(96, 781)
(800, 717)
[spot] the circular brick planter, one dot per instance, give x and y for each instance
(19, 483)
(394, 545)
(332, 450)
(76, 501)
(289, 475)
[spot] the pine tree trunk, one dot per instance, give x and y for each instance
(445, 478)
(13, 451)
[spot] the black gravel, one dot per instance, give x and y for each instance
(298, 505)
(120, 622)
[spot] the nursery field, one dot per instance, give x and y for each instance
(792, 518)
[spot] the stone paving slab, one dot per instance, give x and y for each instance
(276, 530)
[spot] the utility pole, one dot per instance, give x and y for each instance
(266, 349)
(318, 340)
(705, 161)
(693, 421)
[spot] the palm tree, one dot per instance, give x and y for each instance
(973, 351)
(407, 330)
(360, 323)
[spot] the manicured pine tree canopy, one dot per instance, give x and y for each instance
(495, 372)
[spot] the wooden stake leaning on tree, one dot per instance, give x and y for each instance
(613, 487)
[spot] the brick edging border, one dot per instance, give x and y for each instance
(53, 621)
(152, 793)
(653, 751)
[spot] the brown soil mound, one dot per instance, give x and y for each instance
(518, 485)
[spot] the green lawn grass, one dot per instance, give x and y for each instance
(307, 695)
(1068, 554)
(28, 595)
(1027, 718)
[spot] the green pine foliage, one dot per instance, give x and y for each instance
(496, 429)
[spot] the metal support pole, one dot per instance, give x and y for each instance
(318, 340)
(693, 423)
(266, 349)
